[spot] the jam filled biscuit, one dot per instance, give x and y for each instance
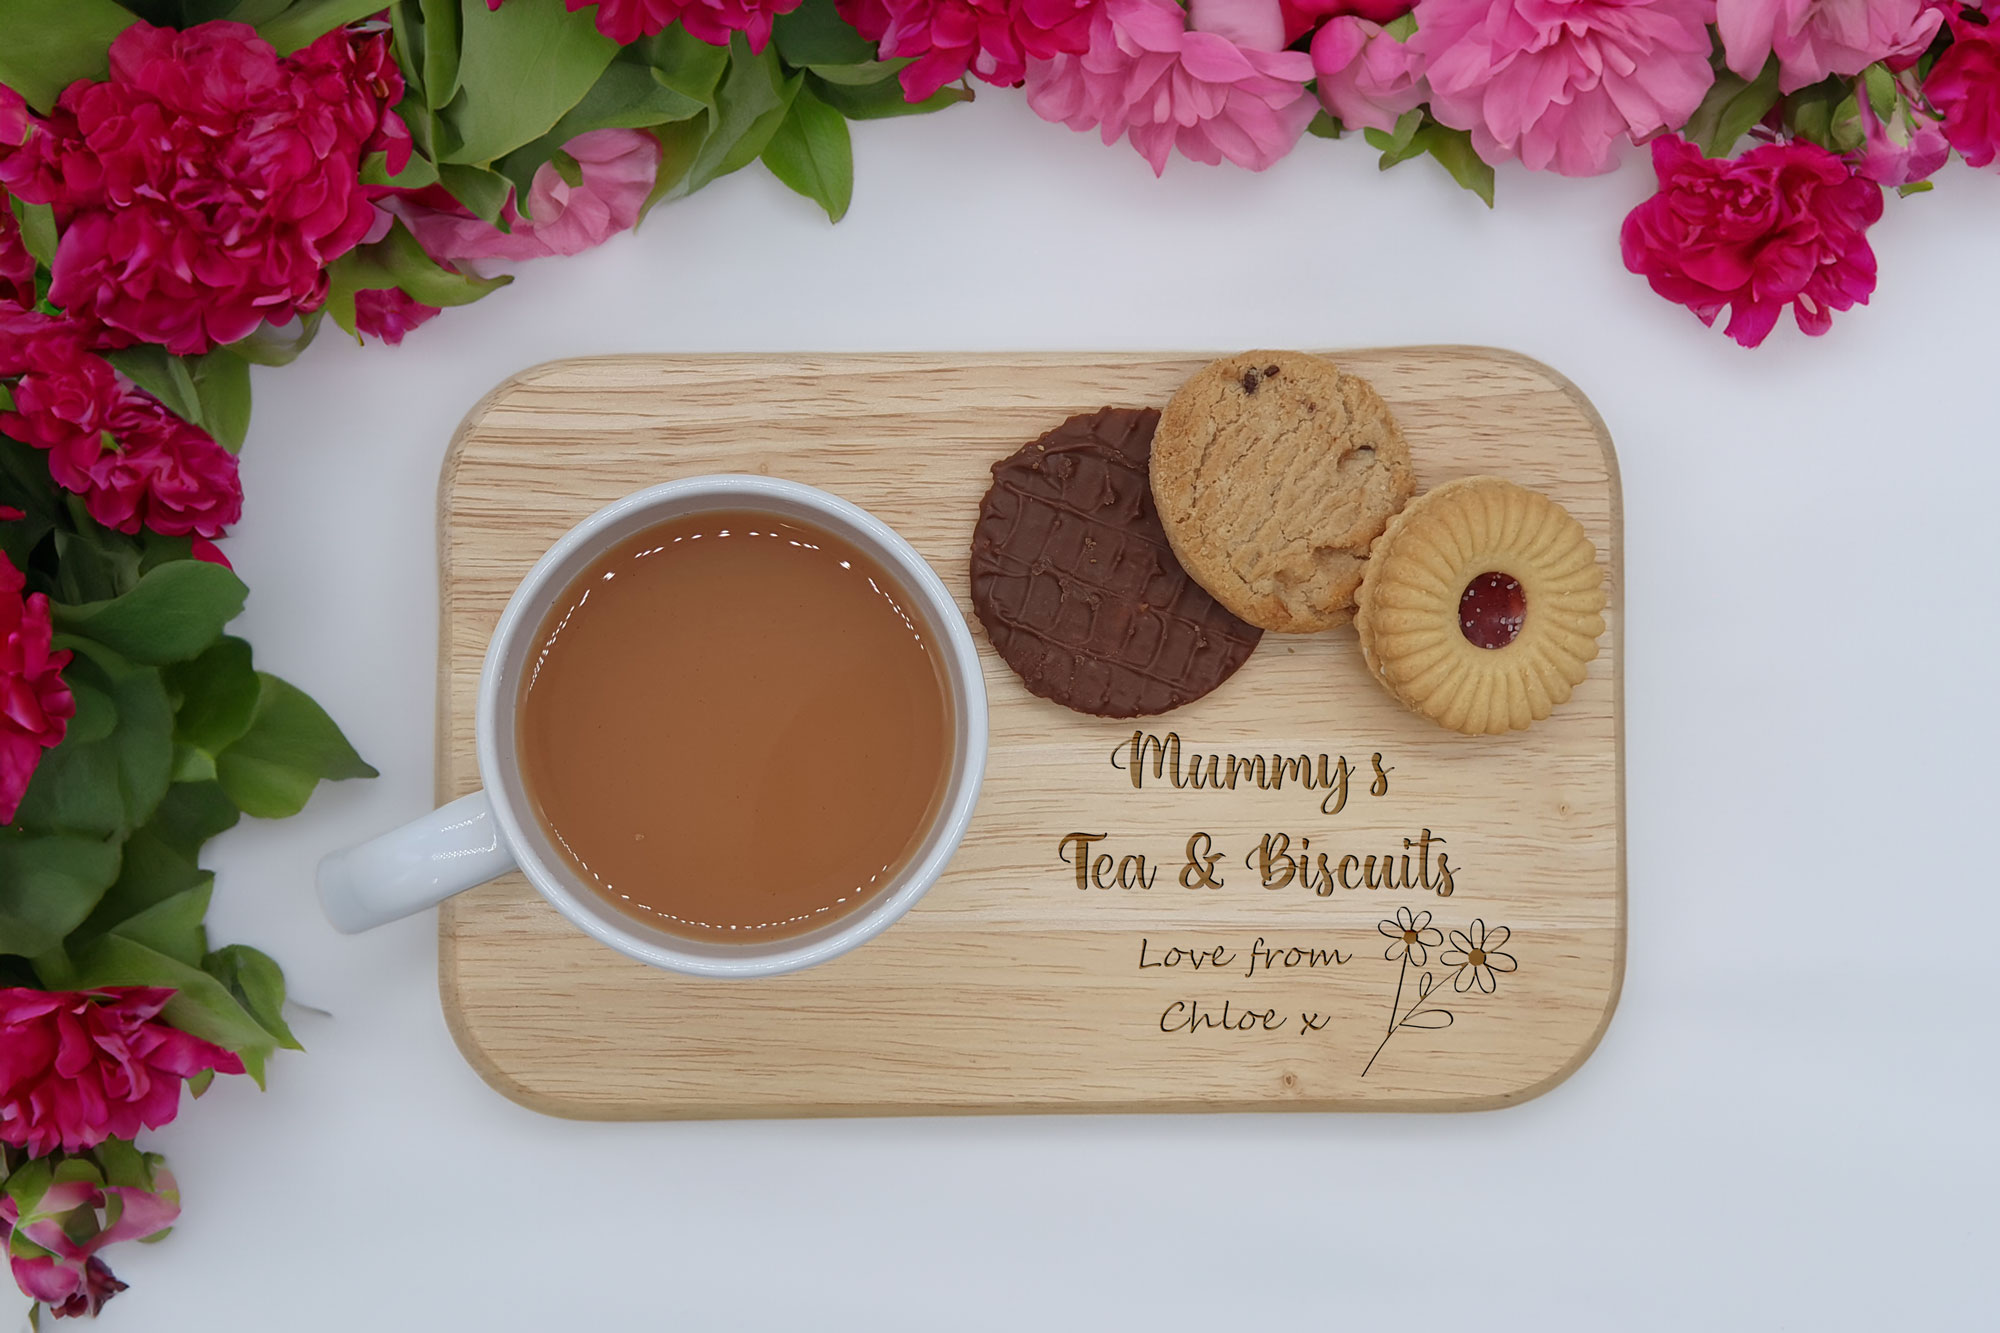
(1481, 605)
(1273, 471)
(1075, 583)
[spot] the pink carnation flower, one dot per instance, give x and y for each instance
(1151, 78)
(617, 171)
(133, 462)
(162, 473)
(391, 314)
(626, 21)
(17, 266)
(204, 187)
(1815, 38)
(1366, 77)
(63, 1273)
(1785, 224)
(1561, 84)
(66, 394)
(13, 118)
(1964, 86)
(993, 40)
(79, 1067)
(35, 705)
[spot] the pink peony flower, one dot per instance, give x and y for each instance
(204, 187)
(35, 706)
(391, 314)
(1366, 77)
(1561, 83)
(1785, 224)
(1302, 16)
(1908, 147)
(993, 40)
(78, 1067)
(1964, 86)
(1148, 76)
(1815, 38)
(52, 1266)
(617, 166)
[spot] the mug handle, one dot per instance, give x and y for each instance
(453, 848)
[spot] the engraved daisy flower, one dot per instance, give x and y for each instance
(1411, 935)
(1475, 952)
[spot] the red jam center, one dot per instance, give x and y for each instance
(1491, 610)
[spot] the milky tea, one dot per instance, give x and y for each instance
(735, 726)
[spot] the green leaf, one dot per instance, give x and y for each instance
(201, 1004)
(440, 51)
(418, 172)
(50, 44)
(405, 264)
(1323, 125)
(174, 613)
(252, 12)
(750, 104)
(190, 814)
(1882, 95)
(222, 387)
(811, 152)
(1400, 145)
(218, 695)
(685, 63)
(48, 886)
(406, 43)
(166, 377)
(1453, 150)
(483, 192)
(628, 96)
(92, 562)
(398, 261)
(192, 764)
(151, 872)
(38, 228)
(879, 100)
(111, 786)
(522, 66)
(1914, 187)
(680, 142)
(1402, 29)
(1732, 107)
(278, 345)
(1845, 132)
(291, 745)
(305, 22)
(173, 925)
(816, 34)
(864, 75)
(258, 985)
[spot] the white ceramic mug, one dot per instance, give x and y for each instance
(479, 837)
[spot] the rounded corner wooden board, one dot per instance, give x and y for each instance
(1268, 985)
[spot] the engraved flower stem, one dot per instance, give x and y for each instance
(1396, 1024)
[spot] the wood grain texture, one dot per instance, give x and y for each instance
(1008, 988)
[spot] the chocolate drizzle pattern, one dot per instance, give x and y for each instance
(1076, 585)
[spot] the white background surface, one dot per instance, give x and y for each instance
(1790, 1121)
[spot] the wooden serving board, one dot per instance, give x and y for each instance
(1010, 987)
